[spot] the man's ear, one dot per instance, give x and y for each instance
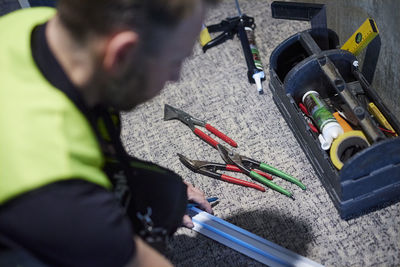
(118, 50)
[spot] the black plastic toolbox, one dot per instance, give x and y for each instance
(310, 60)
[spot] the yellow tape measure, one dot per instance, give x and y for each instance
(372, 108)
(362, 37)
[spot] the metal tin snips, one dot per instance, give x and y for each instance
(171, 113)
(247, 164)
(210, 169)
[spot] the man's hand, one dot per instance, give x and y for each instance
(197, 196)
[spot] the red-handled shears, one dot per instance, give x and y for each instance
(210, 169)
(174, 113)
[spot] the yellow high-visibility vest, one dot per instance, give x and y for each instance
(44, 138)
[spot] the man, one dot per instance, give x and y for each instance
(66, 182)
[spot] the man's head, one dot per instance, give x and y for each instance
(143, 43)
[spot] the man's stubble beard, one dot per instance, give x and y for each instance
(126, 91)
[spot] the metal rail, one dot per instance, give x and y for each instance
(245, 242)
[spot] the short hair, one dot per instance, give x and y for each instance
(85, 17)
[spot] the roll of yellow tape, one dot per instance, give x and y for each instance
(346, 146)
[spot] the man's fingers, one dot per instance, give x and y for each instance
(187, 221)
(197, 196)
(203, 203)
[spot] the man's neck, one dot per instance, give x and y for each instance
(76, 60)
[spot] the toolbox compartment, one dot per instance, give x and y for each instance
(370, 179)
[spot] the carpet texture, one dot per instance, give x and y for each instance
(214, 87)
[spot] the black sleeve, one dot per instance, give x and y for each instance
(150, 187)
(68, 223)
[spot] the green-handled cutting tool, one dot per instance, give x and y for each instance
(246, 164)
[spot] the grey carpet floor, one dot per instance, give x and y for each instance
(214, 87)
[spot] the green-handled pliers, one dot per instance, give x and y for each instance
(246, 164)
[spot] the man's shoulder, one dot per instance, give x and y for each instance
(45, 138)
(21, 16)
